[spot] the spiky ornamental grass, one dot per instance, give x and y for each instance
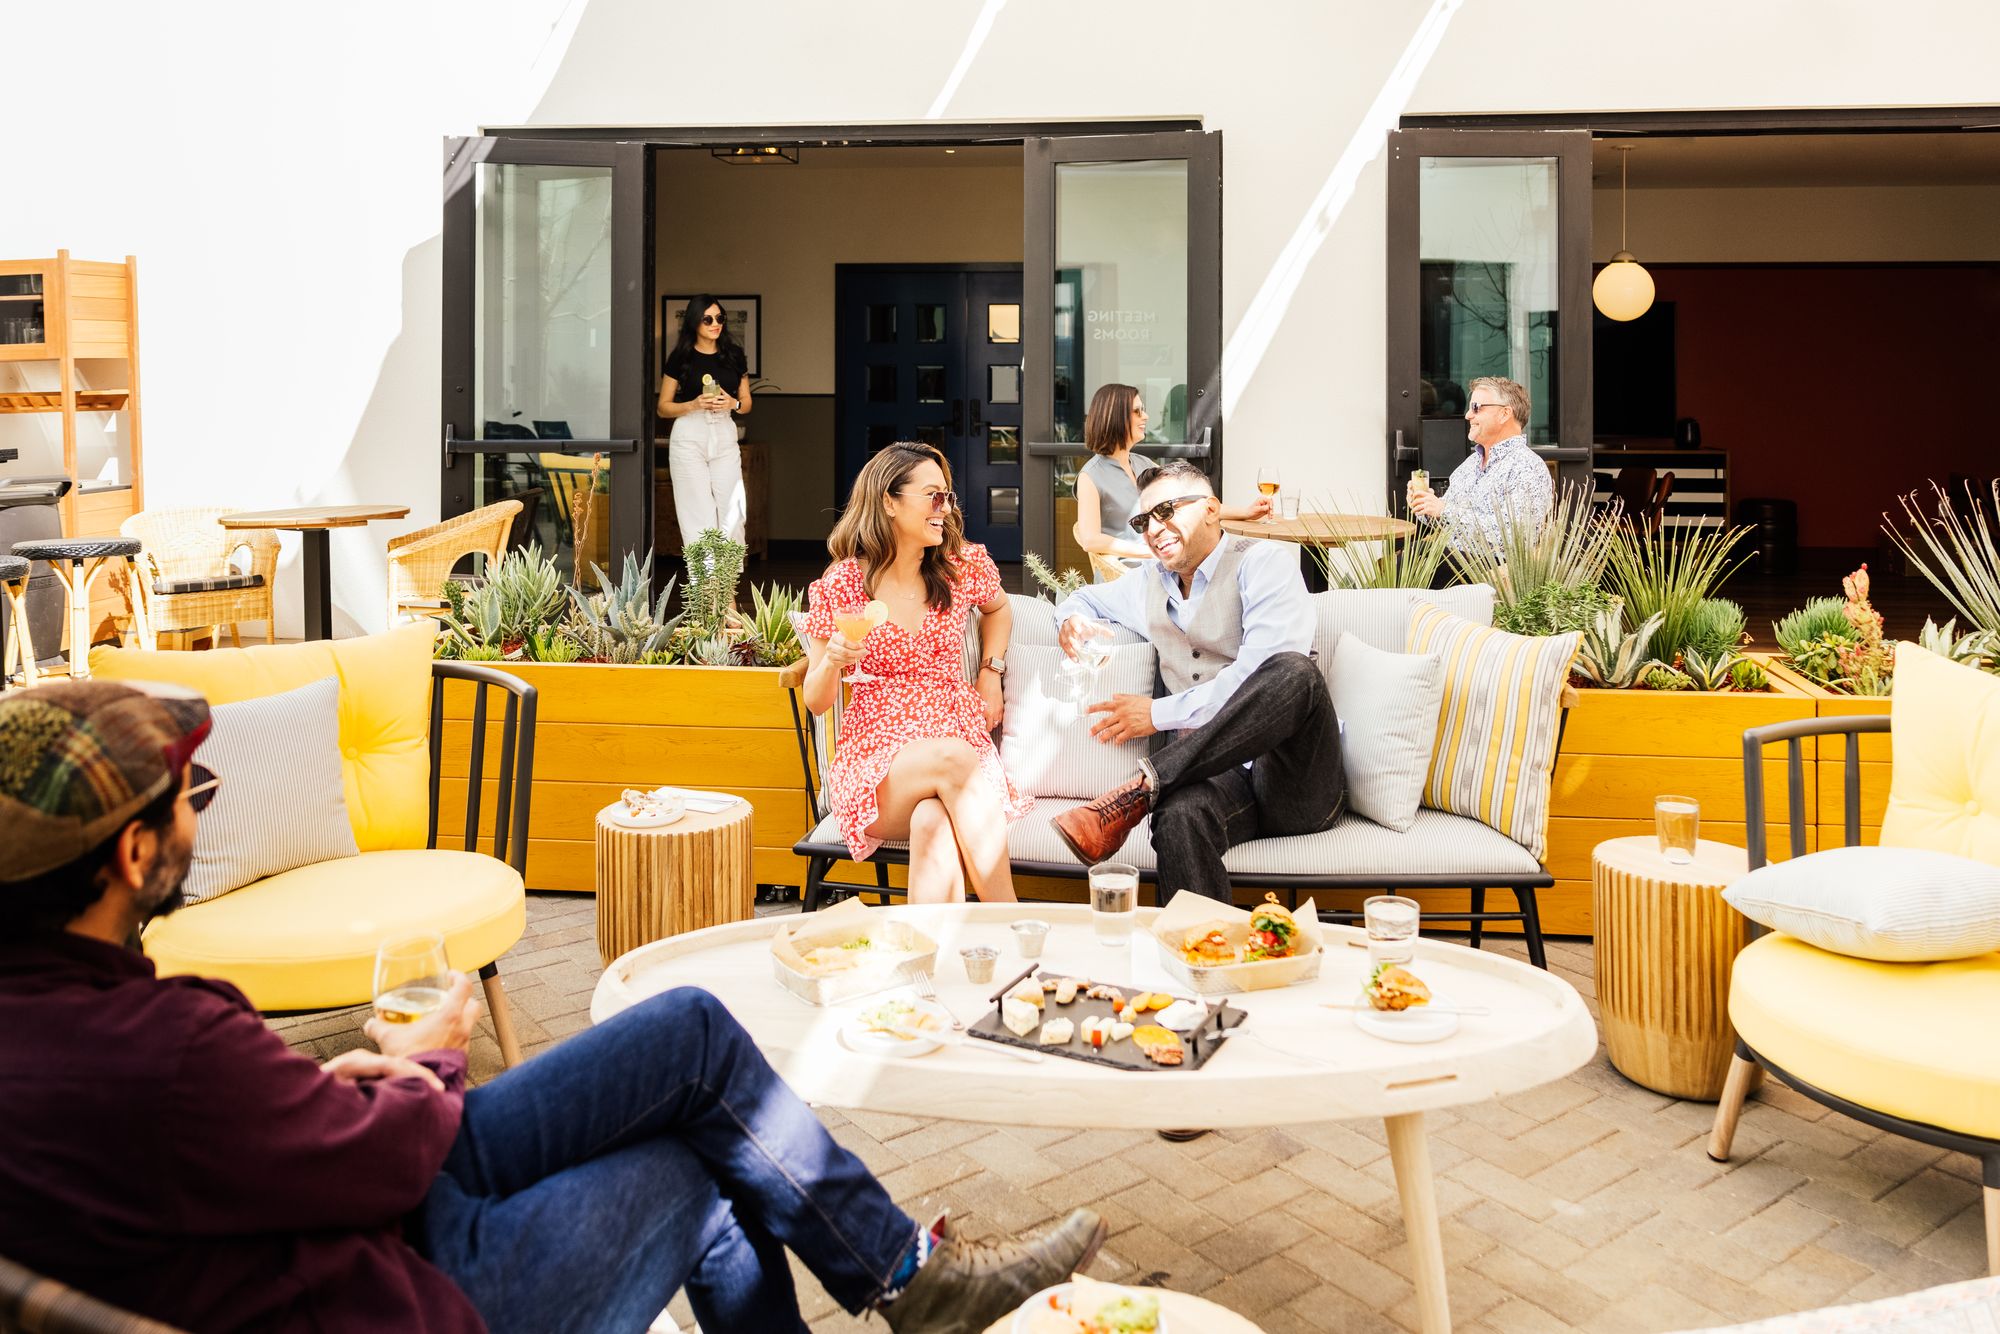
(1570, 548)
(1398, 562)
(1955, 550)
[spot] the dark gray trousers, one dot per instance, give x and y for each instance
(1281, 722)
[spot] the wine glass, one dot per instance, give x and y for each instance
(1267, 485)
(854, 621)
(411, 977)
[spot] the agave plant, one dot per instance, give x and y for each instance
(472, 623)
(623, 623)
(1671, 573)
(1749, 676)
(712, 652)
(1976, 648)
(1569, 548)
(1610, 656)
(1710, 671)
(1715, 630)
(1957, 552)
(771, 635)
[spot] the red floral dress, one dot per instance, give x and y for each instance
(922, 692)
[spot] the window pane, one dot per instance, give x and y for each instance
(930, 384)
(931, 435)
(880, 438)
(1003, 506)
(1487, 238)
(1003, 384)
(881, 384)
(1003, 323)
(930, 324)
(1003, 444)
(881, 324)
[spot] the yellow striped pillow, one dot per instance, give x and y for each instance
(1497, 723)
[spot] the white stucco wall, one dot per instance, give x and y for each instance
(275, 169)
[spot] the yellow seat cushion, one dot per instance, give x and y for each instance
(1914, 1040)
(385, 696)
(1944, 736)
(306, 939)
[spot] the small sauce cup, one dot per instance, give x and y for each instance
(1030, 936)
(979, 960)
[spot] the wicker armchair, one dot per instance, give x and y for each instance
(191, 574)
(31, 1304)
(1106, 568)
(420, 562)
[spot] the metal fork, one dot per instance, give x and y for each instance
(921, 981)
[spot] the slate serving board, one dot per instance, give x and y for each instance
(1197, 1044)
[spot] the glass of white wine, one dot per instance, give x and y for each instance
(411, 977)
(1267, 485)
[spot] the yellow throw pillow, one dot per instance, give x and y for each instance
(1498, 721)
(1944, 737)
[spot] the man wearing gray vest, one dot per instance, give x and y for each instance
(1244, 740)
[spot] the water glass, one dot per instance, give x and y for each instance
(411, 977)
(1678, 822)
(1288, 507)
(1392, 928)
(1114, 901)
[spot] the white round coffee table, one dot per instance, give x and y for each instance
(1293, 1061)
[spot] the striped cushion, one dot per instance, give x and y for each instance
(1498, 722)
(281, 804)
(1045, 740)
(214, 583)
(1896, 905)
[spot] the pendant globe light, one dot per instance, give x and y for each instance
(1623, 290)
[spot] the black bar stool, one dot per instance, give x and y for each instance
(14, 584)
(77, 561)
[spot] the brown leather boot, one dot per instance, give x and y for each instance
(1097, 831)
(965, 1286)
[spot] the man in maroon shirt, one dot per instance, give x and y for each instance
(162, 1149)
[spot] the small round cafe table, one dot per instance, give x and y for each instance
(1666, 943)
(312, 523)
(1292, 1061)
(1322, 530)
(654, 883)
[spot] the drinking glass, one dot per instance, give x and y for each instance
(1392, 928)
(1114, 901)
(411, 976)
(854, 622)
(1288, 507)
(1678, 821)
(1420, 480)
(1267, 485)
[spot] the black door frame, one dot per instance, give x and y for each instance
(1202, 150)
(1402, 341)
(629, 447)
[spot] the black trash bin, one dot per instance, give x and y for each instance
(29, 512)
(1774, 535)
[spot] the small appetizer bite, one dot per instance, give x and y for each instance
(1066, 991)
(1394, 987)
(1104, 993)
(1273, 932)
(1028, 993)
(1019, 1017)
(1161, 1046)
(1095, 1030)
(1120, 1030)
(1207, 945)
(1057, 1032)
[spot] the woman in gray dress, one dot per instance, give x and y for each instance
(1108, 484)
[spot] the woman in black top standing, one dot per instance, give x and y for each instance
(706, 381)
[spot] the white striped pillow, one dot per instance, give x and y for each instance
(1498, 721)
(1898, 905)
(281, 804)
(1045, 741)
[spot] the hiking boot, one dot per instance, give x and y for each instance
(967, 1285)
(1095, 832)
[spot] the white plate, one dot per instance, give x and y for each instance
(618, 815)
(1418, 1024)
(868, 1042)
(1041, 1299)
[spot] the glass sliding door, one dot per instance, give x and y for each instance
(1489, 274)
(1122, 285)
(543, 387)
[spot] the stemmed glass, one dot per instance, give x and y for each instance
(411, 976)
(1093, 651)
(854, 621)
(1267, 485)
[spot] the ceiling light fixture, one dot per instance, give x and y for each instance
(757, 155)
(1623, 290)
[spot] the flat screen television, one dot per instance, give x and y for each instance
(1632, 364)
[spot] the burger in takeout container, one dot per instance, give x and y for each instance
(848, 951)
(1215, 949)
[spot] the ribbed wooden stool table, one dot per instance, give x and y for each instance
(655, 883)
(1666, 943)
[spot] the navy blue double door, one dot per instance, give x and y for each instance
(932, 352)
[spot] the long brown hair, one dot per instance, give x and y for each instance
(1107, 427)
(865, 532)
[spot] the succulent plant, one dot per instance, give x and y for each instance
(772, 639)
(1710, 672)
(712, 652)
(623, 623)
(1059, 586)
(1553, 609)
(1976, 648)
(1611, 656)
(715, 567)
(1715, 629)
(1748, 676)
(1662, 677)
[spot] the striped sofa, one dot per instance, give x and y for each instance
(1440, 851)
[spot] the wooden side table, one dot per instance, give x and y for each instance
(1666, 943)
(655, 883)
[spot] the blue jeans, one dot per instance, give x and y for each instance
(655, 1151)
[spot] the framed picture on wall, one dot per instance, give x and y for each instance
(744, 327)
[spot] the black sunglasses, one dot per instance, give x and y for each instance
(711, 319)
(1164, 512)
(201, 787)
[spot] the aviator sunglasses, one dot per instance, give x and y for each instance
(942, 501)
(1164, 512)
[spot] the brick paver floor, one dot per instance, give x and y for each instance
(1585, 1204)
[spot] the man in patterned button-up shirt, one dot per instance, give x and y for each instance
(1501, 482)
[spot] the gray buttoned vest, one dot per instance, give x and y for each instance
(1213, 634)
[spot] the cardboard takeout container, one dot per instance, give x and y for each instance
(1187, 909)
(893, 946)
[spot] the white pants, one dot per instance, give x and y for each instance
(707, 470)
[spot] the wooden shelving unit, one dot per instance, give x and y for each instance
(60, 312)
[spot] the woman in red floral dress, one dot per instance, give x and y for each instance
(915, 759)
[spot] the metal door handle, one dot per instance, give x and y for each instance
(957, 406)
(1404, 453)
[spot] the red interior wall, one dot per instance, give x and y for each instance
(1839, 387)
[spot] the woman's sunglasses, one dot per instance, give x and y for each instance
(201, 787)
(943, 500)
(711, 319)
(1164, 512)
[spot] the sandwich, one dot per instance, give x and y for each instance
(1206, 945)
(1273, 933)
(1394, 987)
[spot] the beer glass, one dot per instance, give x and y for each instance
(1678, 822)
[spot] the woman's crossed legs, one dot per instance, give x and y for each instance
(935, 797)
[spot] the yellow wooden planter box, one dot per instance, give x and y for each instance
(1831, 759)
(601, 729)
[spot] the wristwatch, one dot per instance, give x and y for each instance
(995, 665)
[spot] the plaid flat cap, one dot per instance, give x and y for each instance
(78, 759)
